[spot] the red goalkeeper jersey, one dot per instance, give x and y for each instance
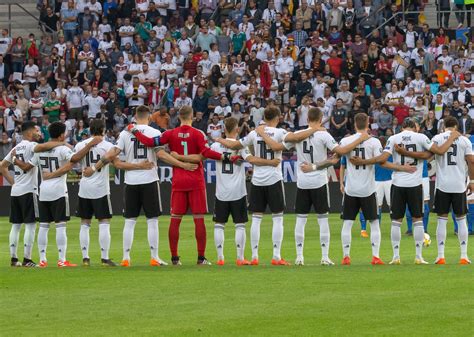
(186, 140)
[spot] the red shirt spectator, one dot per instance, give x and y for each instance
(401, 111)
(335, 64)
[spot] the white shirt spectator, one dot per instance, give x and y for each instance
(94, 104)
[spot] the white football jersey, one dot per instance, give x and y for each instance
(25, 182)
(50, 161)
(412, 141)
(265, 175)
(451, 168)
(136, 152)
(313, 149)
(97, 185)
(230, 178)
(360, 179)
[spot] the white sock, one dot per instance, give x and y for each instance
(84, 240)
(396, 237)
(43, 240)
(463, 236)
(375, 237)
(61, 240)
(346, 237)
(277, 235)
(153, 237)
(240, 238)
(441, 235)
(324, 235)
(255, 234)
(219, 240)
(29, 239)
(104, 240)
(128, 230)
(14, 238)
(301, 220)
(418, 235)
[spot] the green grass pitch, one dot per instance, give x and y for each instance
(359, 300)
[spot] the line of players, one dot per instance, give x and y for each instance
(188, 148)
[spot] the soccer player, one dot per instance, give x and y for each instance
(267, 181)
(451, 187)
(188, 189)
(141, 186)
(231, 193)
(407, 189)
(24, 192)
(54, 200)
(94, 192)
(312, 180)
(360, 189)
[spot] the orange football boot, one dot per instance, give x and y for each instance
(377, 261)
(63, 264)
(346, 261)
(280, 262)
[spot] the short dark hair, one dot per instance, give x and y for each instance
(27, 126)
(360, 120)
(271, 112)
(97, 127)
(142, 111)
(314, 115)
(56, 129)
(451, 122)
(409, 123)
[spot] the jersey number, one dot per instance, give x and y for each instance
(19, 171)
(264, 151)
(185, 148)
(90, 159)
(308, 150)
(360, 152)
(49, 163)
(409, 147)
(451, 154)
(139, 150)
(227, 168)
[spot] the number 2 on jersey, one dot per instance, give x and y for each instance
(451, 154)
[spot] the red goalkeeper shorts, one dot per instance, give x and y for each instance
(181, 201)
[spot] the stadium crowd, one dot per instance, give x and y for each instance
(232, 58)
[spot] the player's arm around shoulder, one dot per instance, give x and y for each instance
(233, 144)
(47, 146)
(344, 148)
(272, 144)
(442, 149)
(78, 155)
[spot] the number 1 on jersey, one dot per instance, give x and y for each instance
(185, 147)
